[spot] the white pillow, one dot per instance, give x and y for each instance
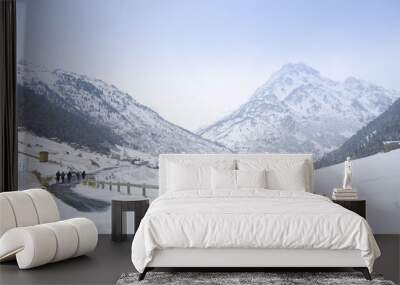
(251, 178)
(193, 174)
(188, 177)
(282, 174)
(223, 179)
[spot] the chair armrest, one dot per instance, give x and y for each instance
(40, 244)
(32, 246)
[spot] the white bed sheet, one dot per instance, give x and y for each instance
(250, 218)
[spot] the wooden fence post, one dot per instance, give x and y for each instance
(144, 190)
(128, 187)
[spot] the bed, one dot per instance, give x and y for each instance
(247, 211)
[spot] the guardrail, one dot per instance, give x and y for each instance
(118, 185)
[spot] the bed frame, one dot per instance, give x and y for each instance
(234, 259)
(245, 259)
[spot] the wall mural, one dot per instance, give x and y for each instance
(86, 139)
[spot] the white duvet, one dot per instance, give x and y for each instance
(250, 219)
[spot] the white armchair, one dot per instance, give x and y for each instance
(31, 230)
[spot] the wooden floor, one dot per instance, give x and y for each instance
(110, 260)
(103, 266)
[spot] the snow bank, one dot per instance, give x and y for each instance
(377, 179)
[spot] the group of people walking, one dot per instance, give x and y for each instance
(60, 176)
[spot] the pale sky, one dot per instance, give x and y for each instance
(195, 61)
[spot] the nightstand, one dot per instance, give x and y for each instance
(357, 206)
(120, 205)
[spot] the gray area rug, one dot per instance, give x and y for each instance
(273, 278)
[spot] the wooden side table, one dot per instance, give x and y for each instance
(357, 206)
(121, 205)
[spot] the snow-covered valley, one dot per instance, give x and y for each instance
(114, 168)
(64, 157)
(85, 124)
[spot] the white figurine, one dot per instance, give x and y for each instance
(347, 174)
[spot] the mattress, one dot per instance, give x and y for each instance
(250, 219)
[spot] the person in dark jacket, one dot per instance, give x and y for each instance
(62, 177)
(69, 176)
(83, 175)
(58, 174)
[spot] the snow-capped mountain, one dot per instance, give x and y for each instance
(299, 110)
(92, 113)
(369, 140)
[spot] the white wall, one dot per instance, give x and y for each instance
(377, 179)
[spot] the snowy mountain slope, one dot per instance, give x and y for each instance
(369, 140)
(51, 117)
(298, 110)
(104, 107)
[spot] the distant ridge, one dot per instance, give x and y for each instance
(78, 109)
(369, 140)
